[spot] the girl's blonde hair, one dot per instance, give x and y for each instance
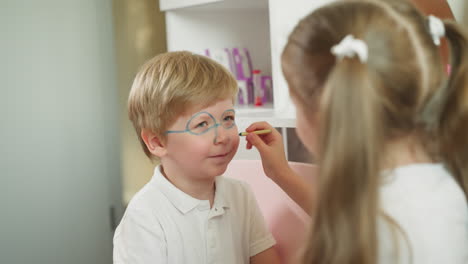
(170, 84)
(402, 90)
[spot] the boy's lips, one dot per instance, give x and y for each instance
(220, 155)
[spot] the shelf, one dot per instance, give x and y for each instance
(247, 116)
(212, 5)
(245, 110)
(196, 25)
(165, 5)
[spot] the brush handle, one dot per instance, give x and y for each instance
(258, 132)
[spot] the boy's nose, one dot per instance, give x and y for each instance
(221, 135)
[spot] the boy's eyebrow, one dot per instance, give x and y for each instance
(230, 109)
(197, 114)
(200, 116)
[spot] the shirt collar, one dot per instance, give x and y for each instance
(220, 200)
(184, 202)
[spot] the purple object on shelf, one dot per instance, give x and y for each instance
(242, 63)
(242, 96)
(267, 87)
(250, 90)
(238, 61)
(232, 66)
(222, 56)
(245, 96)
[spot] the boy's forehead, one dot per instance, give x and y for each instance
(215, 109)
(218, 106)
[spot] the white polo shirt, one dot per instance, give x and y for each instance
(162, 224)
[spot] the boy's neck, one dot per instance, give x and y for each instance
(198, 189)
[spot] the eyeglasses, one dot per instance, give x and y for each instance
(203, 122)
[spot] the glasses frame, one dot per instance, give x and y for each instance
(216, 124)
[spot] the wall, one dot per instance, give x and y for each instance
(140, 35)
(460, 10)
(59, 143)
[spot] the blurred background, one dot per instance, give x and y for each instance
(69, 157)
(65, 139)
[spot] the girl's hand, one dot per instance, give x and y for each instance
(271, 150)
(277, 168)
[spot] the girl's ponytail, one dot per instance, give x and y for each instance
(344, 229)
(453, 120)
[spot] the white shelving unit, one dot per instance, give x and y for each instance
(262, 26)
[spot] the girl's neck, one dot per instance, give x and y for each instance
(405, 151)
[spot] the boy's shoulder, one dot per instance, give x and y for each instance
(232, 183)
(234, 189)
(154, 196)
(147, 198)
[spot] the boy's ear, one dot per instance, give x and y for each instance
(153, 143)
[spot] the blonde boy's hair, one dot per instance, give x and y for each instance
(170, 84)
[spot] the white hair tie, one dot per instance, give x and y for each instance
(437, 29)
(350, 47)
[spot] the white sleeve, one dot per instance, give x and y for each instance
(435, 224)
(261, 238)
(440, 229)
(139, 239)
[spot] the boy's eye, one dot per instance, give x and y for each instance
(202, 124)
(229, 118)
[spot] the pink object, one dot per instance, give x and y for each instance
(258, 92)
(285, 219)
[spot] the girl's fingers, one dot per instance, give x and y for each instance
(249, 145)
(258, 126)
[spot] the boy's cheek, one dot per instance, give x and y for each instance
(234, 134)
(236, 141)
(236, 144)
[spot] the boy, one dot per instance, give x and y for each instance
(181, 106)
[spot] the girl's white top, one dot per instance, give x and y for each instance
(432, 212)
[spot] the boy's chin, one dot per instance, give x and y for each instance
(219, 170)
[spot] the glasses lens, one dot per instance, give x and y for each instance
(201, 123)
(228, 119)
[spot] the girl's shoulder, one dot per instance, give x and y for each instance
(424, 185)
(430, 211)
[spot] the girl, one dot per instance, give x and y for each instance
(389, 129)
